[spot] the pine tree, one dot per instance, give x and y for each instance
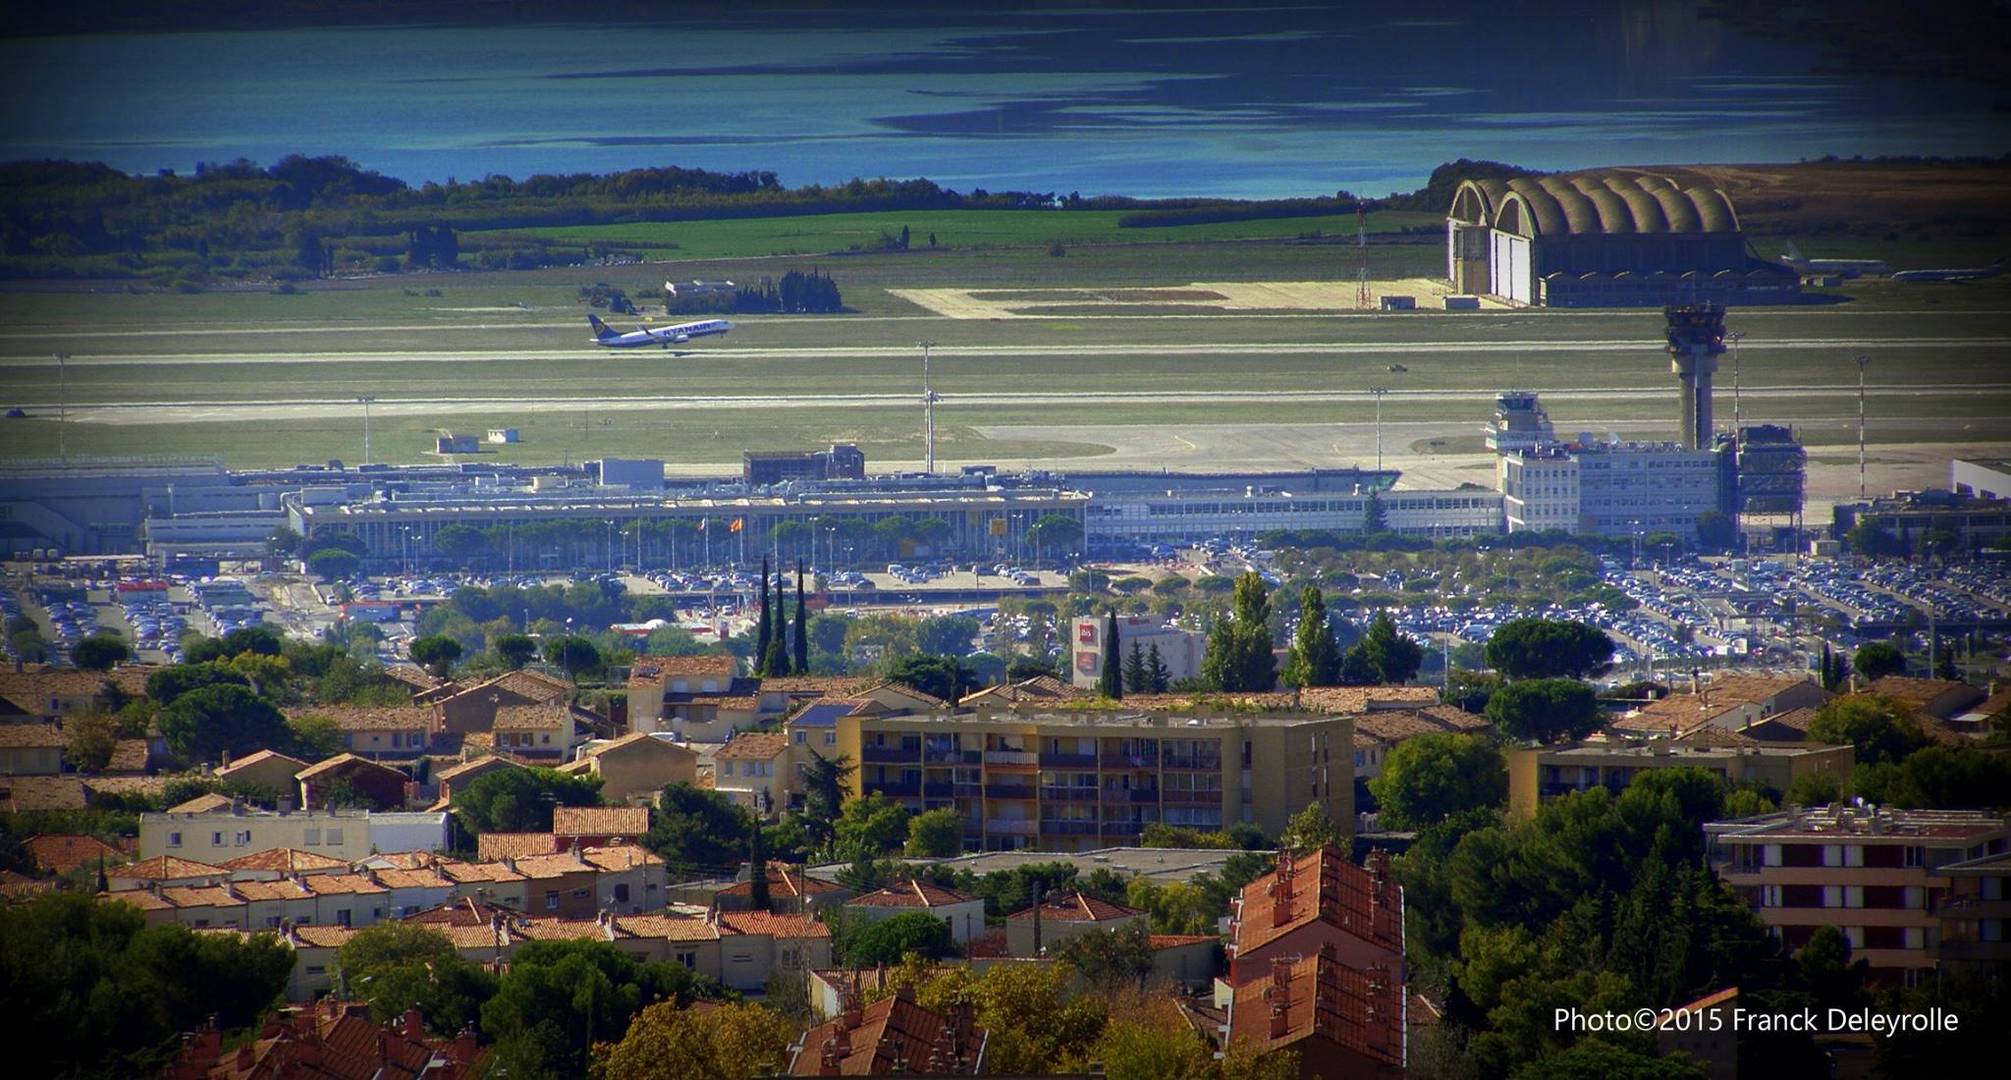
(1944, 661)
(1394, 656)
(1372, 514)
(762, 630)
(1111, 684)
(1137, 679)
(802, 641)
(1257, 668)
(1161, 678)
(1316, 656)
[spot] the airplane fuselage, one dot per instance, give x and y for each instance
(665, 336)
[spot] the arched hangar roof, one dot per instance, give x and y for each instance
(1600, 202)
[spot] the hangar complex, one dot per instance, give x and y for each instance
(1605, 238)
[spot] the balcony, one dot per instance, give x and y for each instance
(895, 754)
(1989, 952)
(1067, 761)
(938, 789)
(1194, 798)
(1068, 794)
(1026, 758)
(1130, 761)
(1056, 827)
(943, 755)
(1137, 795)
(1123, 828)
(896, 789)
(967, 791)
(1009, 826)
(1208, 764)
(1008, 791)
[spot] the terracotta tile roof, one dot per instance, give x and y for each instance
(460, 911)
(667, 927)
(468, 873)
(427, 878)
(42, 793)
(491, 846)
(540, 867)
(406, 860)
(129, 756)
(32, 737)
(600, 820)
(1395, 725)
(31, 690)
(286, 861)
(1917, 694)
(340, 884)
(167, 868)
(658, 670)
(60, 853)
(1330, 700)
(1319, 997)
(126, 785)
(183, 896)
(784, 883)
(282, 889)
(1175, 941)
(346, 763)
(771, 924)
(139, 898)
(754, 746)
(906, 691)
(319, 936)
(566, 930)
(1723, 694)
(990, 944)
(475, 766)
(535, 685)
(1080, 907)
(911, 894)
(1454, 718)
(1710, 736)
(619, 857)
(823, 685)
(369, 718)
(207, 803)
(1323, 886)
(1038, 688)
(532, 717)
(259, 758)
(889, 1035)
(413, 677)
(624, 743)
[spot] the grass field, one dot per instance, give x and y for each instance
(471, 357)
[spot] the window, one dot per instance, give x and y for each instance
(802, 738)
(243, 837)
(342, 917)
(621, 893)
(830, 738)
(310, 838)
(551, 899)
(688, 959)
(174, 839)
(335, 837)
(216, 839)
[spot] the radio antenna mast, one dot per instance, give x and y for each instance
(1362, 247)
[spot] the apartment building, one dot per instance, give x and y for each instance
(1886, 878)
(1545, 772)
(1180, 650)
(1313, 901)
(1976, 914)
(1073, 781)
(220, 835)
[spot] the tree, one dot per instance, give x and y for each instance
(1544, 710)
(1316, 656)
(515, 650)
(436, 653)
(824, 794)
(1392, 656)
(1110, 683)
(1812, 789)
(333, 564)
(100, 652)
(1944, 662)
(739, 1041)
(1548, 649)
(1159, 677)
(1877, 660)
(1867, 539)
(946, 635)
(93, 738)
(1716, 531)
(1110, 960)
(1882, 730)
(887, 941)
(1372, 514)
(1137, 676)
(397, 966)
(171, 682)
(935, 834)
(314, 738)
(944, 677)
(764, 629)
(869, 826)
(1310, 828)
(521, 800)
(696, 830)
(560, 997)
(572, 654)
(205, 723)
(1239, 654)
(1429, 778)
(1598, 1059)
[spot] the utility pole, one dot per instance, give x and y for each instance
(1362, 248)
(928, 412)
(1379, 391)
(1862, 362)
(365, 400)
(1738, 415)
(63, 408)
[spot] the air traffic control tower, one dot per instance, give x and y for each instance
(1696, 340)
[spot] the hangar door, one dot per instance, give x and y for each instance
(1508, 268)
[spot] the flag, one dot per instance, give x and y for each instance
(701, 523)
(737, 524)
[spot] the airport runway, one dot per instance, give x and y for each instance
(846, 352)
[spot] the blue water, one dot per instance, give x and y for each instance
(1250, 103)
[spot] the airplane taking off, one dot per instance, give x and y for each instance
(607, 337)
(1974, 273)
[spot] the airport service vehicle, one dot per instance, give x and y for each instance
(608, 337)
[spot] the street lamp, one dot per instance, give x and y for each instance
(928, 412)
(365, 400)
(63, 407)
(1379, 391)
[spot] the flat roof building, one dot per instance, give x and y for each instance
(1546, 772)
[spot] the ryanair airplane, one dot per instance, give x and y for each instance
(607, 337)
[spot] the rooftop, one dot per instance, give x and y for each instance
(912, 894)
(754, 746)
(600, 820)
(1079, 907)
(1865, 821)
(1322, 886)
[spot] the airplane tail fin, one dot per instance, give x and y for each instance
(601, 329)
(1794, 253)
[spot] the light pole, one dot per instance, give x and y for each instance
(1862, 363)
(1379, 392)
(365, 400)
(928, 412)
(1738, 416)
(63, 408)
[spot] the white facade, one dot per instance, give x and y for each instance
(1539, 490)
(1983, 479)
(340, 834)
(1181, 650)
(1199, 515)
(1609, 489)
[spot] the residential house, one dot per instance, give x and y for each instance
(597, 826)
(1190, 961)
(495, 883)
(466, 773)
(635, 768)
(347, 776)
(629, 878)
(273, 864)
(60, 854)
(752, 771)
(266, 770)
(1936, 703)
(1340, 1020)
(1040, 929)
(49, 694)
(1313, 901)
(1038, 691)
(545, 732)
(165, 870)
(1379, 731)
(474, 708)
(562, 884)
(32, 749)
(490, 846)
(790, 891)
(693, 943)
(891, 1036)
(1727, 703)
(678, 694)
(965, 915)
(342, 834)
(755, 946)
(404, 731)
(341, 1042)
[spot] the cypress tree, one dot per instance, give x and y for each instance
(802, 641)
(1111, 684)
(779, 647)
(1316, 656)
(762, 630)
(757, 863)
(1256, 669)
(1161, 678)
(1137, 680)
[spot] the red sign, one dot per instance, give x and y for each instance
(1085, 662)
(1086, 634)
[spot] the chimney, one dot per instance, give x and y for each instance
(412, 1025)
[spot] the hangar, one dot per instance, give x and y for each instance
(1605, 238)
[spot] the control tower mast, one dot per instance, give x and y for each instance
(1696, 339)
